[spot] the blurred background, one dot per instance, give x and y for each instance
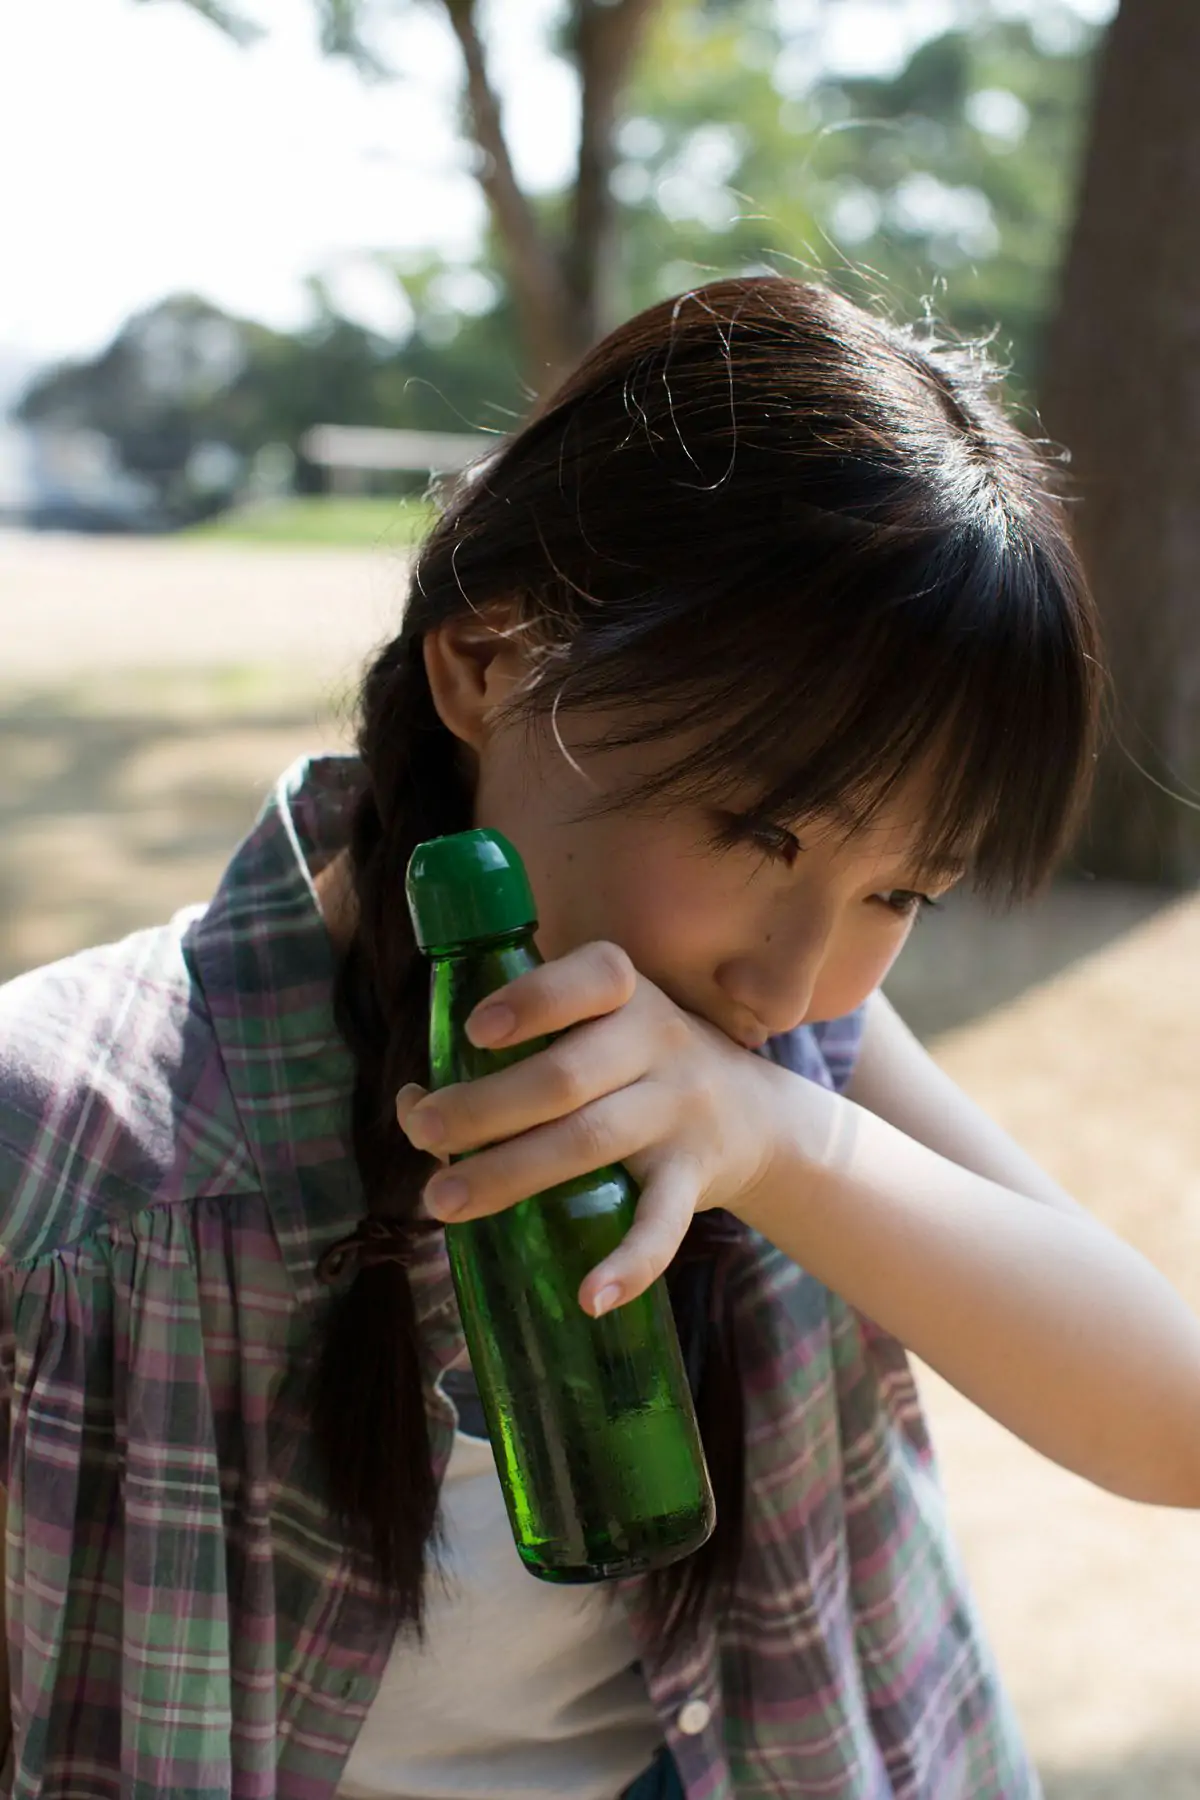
(270, 272)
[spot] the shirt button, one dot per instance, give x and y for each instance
(693, 1717)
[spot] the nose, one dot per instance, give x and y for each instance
(774, 981)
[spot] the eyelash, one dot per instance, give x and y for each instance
(773, 840)
(777, 842)
(906, 903)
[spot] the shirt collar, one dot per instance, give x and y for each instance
(265, 963)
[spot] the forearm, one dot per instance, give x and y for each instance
(1043, 1318)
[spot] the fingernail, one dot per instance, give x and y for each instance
(445, 1198)
(605, 1300)
(424, 1127)
(409, 1096)
(491, 1025)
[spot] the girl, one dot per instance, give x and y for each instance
(760, 635)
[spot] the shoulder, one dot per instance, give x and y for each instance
(111, 1092)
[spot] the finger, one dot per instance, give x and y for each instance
(609, 1130)
(585, 984)
(580, 1067)
(410, 1095)
(665, 1210)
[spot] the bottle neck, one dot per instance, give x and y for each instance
(521, 940)
(463, 976)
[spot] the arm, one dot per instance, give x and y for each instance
(896, 1078)
(927, 1218)
(959, 1246)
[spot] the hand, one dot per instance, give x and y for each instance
(634, 1079)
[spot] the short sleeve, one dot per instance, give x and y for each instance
(839, 1041)
(826, 1052)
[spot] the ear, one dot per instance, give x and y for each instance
(474, 663)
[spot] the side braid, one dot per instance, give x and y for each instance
(366, 1404)
(658, 581)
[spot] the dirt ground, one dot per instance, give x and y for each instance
(149, 695)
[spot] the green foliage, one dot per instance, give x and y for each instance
(971, 155)
(713, 178)
(177, 378)
(352, 523)
(183, 377)
(947, 185)
(944, 186)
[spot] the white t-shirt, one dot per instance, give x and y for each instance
(523, 1691)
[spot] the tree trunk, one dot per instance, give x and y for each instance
(1122, 393)
(607, 34)
(562, 292)
(539, 287)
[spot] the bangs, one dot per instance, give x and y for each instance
(809, 557)
(971, 676)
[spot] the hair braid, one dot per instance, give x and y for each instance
(367, 1407)
(818, 537)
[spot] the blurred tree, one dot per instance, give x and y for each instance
(950, 183)
(725, 144)
(944, 185)
(186, 392)
(945, 182)
(161, 392)
(556, 276)
(186, 378)
(1122, 391)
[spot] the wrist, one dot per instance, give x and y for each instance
(802, 1126)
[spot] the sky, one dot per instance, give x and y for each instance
(146, 154)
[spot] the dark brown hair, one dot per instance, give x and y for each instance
(754, 505)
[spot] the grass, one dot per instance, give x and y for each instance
(229, 694)
(358, 523)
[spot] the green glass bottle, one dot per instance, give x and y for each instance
(591, 1420)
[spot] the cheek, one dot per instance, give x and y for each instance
(856, 965)
(670, 921)
(642, 885)
(635, 893)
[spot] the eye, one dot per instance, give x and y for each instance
(777, 842)
(774, 841)
(906, 902)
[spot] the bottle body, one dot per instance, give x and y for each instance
(591, 1420)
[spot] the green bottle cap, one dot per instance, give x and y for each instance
(468, 886)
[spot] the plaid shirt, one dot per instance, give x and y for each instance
(182, 1619)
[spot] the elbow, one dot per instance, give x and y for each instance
(1185, 1490)
(1183, 1483)
(1183, 1495)
(1171, 1479)
(1148, 1453)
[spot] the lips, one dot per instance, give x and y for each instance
(749, 1036)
